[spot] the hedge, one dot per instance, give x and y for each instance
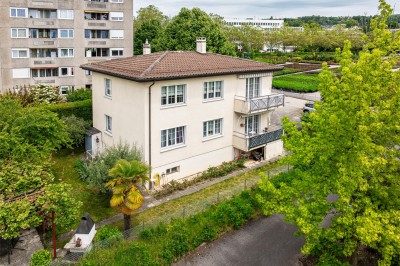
(297, 82)
(81, 109)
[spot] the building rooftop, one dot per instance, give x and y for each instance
(177, 65)
(85, 225)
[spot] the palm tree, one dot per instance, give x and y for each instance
(126, 196)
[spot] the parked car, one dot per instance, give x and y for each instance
(308, 107)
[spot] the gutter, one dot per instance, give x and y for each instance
(150, 186)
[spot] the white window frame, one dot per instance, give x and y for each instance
(70, 36)
(64, 89)
(68, 52)
(253, 87)
(18, 51)
(17, 31)
(119, 52)
(116, 34)
(107, 87)
(16, 12)
(117, 16)
(211, 128)
(108, 120)
(173, 170)
(65, 14)
(70, 72)
(117, 1)
(172, 97)
(252, 124)
(210, 90)
(171, 139)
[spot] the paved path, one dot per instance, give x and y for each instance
(265, 242)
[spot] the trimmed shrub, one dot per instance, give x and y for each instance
(76, 128)
(41, 258)
(82, 109)
(107, 232)
(79, 95)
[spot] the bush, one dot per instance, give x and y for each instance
(79, 95)
(41, 258)
(107, 232)
(82, 109)
(76, 128)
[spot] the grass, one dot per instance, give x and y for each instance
(95, 203)
(286, 70)
(297, 82)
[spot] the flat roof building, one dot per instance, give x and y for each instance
(266, 24)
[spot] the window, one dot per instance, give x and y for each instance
(20, 53)
(172, 170)
(116, 34)
(107, 87)
(212, 128)
(172, 137)
(44, 72)
(88, 72)
(65, 89)
(174, 94)
(252, 124)
(252, 88)
(117, 51)
(108, 124)
(66, 14)
(66, 52)
(42, 13)
(19, 33)
(97, 52)
(18, 12)
(43, 52)
(20, 73)
(212, 90)
(66, 71)
(116, 1)
(96, 34)
(43, 33)
(66, 33)
(117, 16)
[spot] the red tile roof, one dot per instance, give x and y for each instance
(177, 65)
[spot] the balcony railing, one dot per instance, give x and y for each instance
(264, 138)
(262, 103)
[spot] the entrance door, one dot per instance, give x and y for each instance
(252, 124)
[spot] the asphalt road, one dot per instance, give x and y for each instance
(265, 242)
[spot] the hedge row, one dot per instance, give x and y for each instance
(81, 109)
(297, 82)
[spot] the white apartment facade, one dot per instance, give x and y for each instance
(45, 41)
(265, 24)
(186, 110)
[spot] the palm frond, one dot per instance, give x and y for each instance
(116, 200)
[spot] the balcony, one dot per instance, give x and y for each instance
(247, 142)
(260, 104)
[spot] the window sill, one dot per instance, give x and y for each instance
(108, 97)
(108, 133)
(212, 137)
(212, 100)
(170, 148)
(172, 106)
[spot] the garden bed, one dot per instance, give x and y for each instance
(297, 82)
(303, 67)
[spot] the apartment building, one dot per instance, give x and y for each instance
(187, 110)
(265, 24)
(45, 41)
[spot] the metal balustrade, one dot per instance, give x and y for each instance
(264, 138)
(262, 103)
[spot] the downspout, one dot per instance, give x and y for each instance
(150, 184)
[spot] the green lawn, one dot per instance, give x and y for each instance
(286, 70)
(297, 82)
(95, 203)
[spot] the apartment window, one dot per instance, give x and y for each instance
(43, 52)
(66, 71)
(18, 12)
(107, 87)
(212, 128)
(65, 89)
(20, 53)
(212, 90)
(117, 16)
(96, 34)
(116, 34)
(19, 33)
(252, 88)
(174, 94)
(108, 124)
(172, 137)
(117, 1)
(117, 52)
(252, 124)
(44, 72)
(172, 170)
(96, 16)
(65, 14)
(20, 73)
(43, 33)
(88, 72)
(66, 33)
(97, 52)
(42, 13)
(66, 52)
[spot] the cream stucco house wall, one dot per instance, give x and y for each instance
(186, 110)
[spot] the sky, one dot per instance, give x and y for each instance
(268, 8)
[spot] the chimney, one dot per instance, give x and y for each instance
(201, 45)
(146, 48)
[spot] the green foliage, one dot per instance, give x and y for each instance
(35, 94)
(286, 70)
(41, 258)
(107, 232)
(97, 170)
(76, 128)
(77, 95)
(152, 31)
(82, 109)
(349, 148)
(297, 82)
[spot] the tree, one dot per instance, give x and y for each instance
(76, 128)
(182, 31)
(149, 13)
(348, 150)
(126, 197)
(151, 31)
(248, 37)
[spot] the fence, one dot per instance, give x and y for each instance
(186, 211)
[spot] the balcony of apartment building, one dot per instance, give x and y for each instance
(96, 37)
(42, 37)
(96, 18)
(103, 4)
(44, 75)
(253, 140)
(258, 104)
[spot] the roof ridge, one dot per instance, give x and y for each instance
(153, 64)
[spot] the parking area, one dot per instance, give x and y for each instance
(293, 109)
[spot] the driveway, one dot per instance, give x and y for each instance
(265, 242)
(293, 109)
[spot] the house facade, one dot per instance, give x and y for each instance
(187, 110)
